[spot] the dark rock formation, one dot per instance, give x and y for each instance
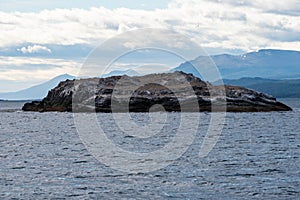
(175, 91)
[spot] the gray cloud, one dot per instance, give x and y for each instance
(218, 25)
(218, 18)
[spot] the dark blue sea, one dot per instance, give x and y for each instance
(256, 157)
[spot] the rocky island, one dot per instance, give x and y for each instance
(172, 91)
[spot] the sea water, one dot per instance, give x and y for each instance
(257, 156)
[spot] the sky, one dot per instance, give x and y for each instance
(43, 39)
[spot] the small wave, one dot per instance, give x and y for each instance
(10, 110)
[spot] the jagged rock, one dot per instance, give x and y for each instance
(173, 91)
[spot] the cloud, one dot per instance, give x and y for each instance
(217, 25)
(20, 61)
(34, 49)
(264, 5)
(28, 69)
(224, 24)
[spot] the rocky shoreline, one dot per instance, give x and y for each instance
(175, 91)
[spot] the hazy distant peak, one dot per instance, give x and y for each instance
(128, 72)
(36, 92)
(67, 76)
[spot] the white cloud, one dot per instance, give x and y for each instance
(225, 24)
(37, 69)
(20, 61)
(34, 49)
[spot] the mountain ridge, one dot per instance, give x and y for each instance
(265, 63)
(35, 92)
(128, 72)
(276, 88)
(232, 67)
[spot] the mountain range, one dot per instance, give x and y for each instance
(267, 63)
(277, 70)
(276, 88)
(129, 72)
(35, 92)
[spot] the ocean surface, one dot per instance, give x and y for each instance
(256, 157)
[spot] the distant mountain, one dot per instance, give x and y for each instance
(267, 63)
(128, 72)
(35, 92)
(247, 81)
(276, 88)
